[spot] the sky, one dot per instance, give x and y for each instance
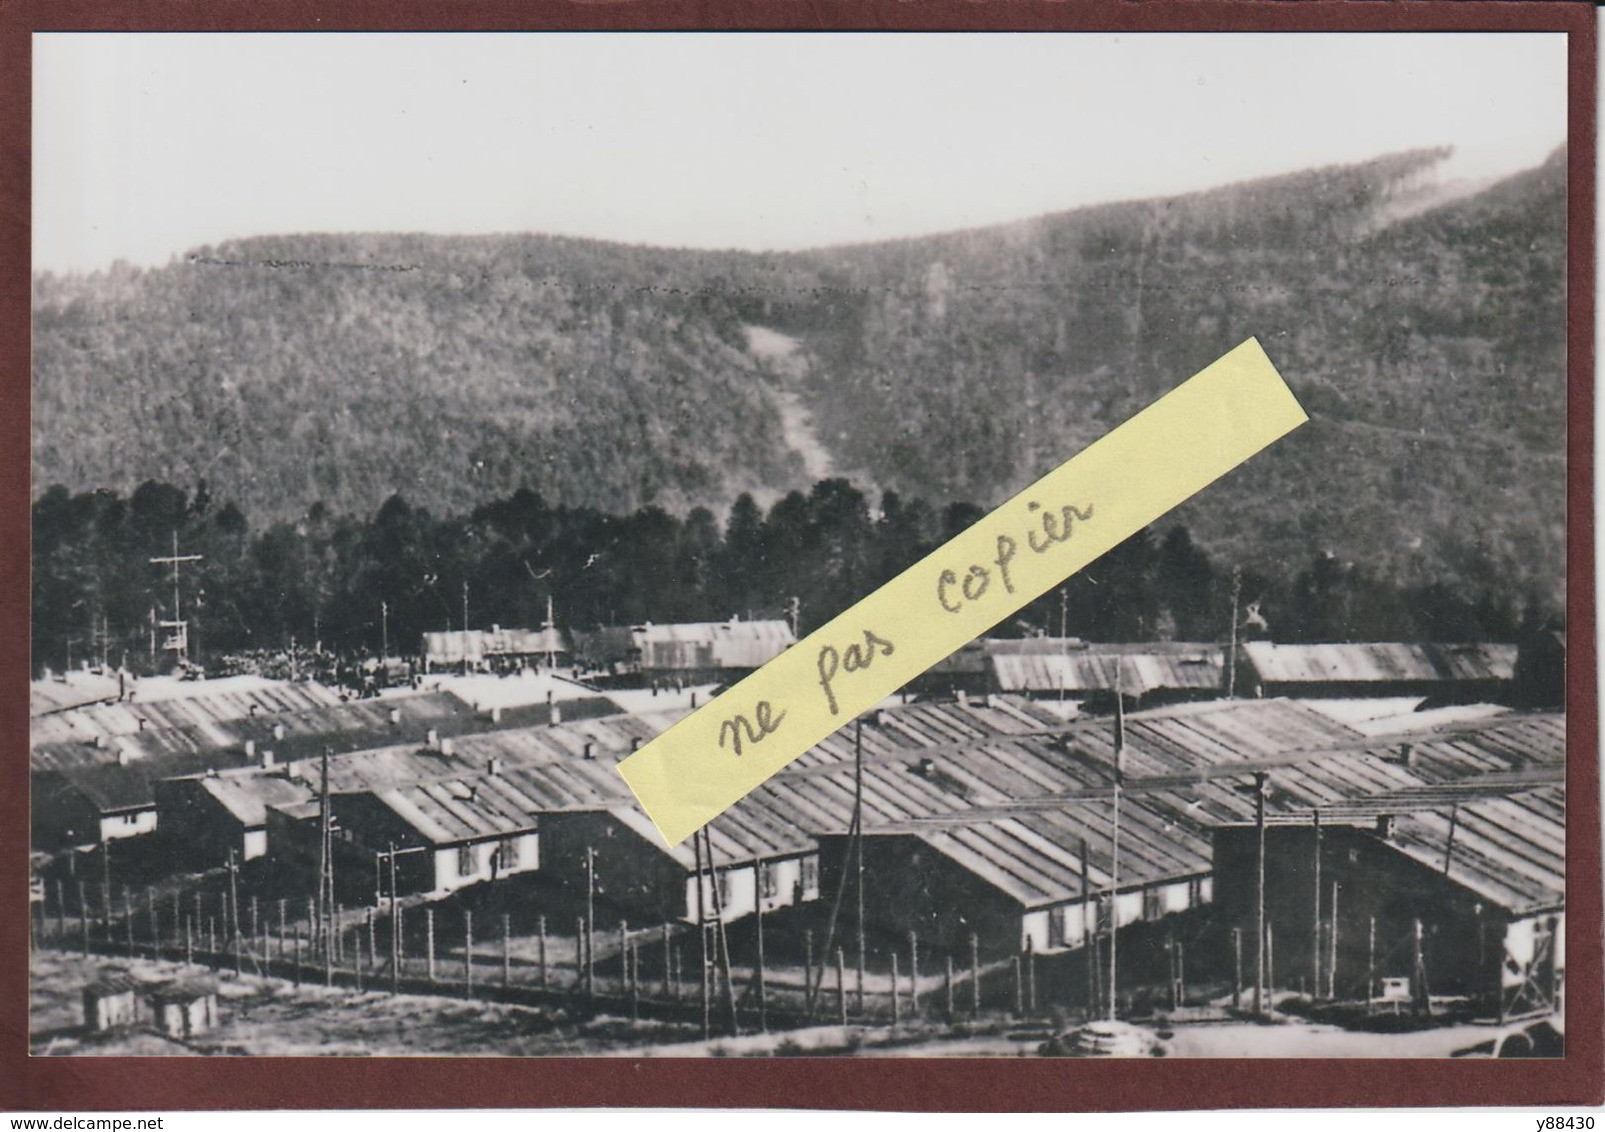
(147, 146)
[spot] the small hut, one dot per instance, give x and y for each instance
(183, 1010)
(110, 1002)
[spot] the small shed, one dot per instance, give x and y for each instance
(183, 1010)
(110, 1002)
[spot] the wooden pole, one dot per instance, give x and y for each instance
(1237, 968)
(1170, 960)
(702, 939)
(1315, 945)
(83, 918)
(128, 920)
(1260, 934)
(808, 964)
(633, 955)
(1418, 974)
(975, 975)
(763, 974)
(468, 953)
(913, 975)
(296, 969)
(211, 940)
(1030, 975)
(841, 986)
(1331, 966)
(897, 1014)
(579, 953)
(372, 921)
(669, 989)
(1089, 932)
(429, 945)
(507, 950)
(1370, 961)
(723, 937)
(858, 845)
(540, 928)
(1019, 996)
(155, 924)
(395, 925)
(624, 956)
(61, 917)
(1270, 963)
(590, 920)
(280, 947)
(947, 989)
(1181, 973)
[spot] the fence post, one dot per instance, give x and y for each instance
(429, 945)
(1237, 968)
(841, 985)
(632, 957)
(896, 1006)
(913, 976)
(975, 975)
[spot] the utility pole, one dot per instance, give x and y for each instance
(1114, 844)
(858, 845)
(465, 615)
(1259, 894)
(1231, 653)
(179, 641)
(1315, 942)
(1064, 641)
(590, 919)
(384, 630)
(325, 901)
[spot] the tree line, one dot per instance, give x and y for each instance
(347, 583)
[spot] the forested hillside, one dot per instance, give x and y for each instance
(455, 370)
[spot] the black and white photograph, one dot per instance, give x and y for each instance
(423, 423)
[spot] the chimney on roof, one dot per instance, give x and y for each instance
(986, 699)
(250, 748)
(1385, 824)
(590, 749)
(432, 739)
(925, 768)
(142, 723)
(278, 731)
(395, 716)
(635, 744)
(493, 767)
(446, 747)
(878, 718)
(1406, 755)
(98, 741)
(961, 697)
(252, 710)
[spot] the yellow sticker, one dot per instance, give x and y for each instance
(1130, 477)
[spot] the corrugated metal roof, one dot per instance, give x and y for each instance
(84, 723)
(447, 811)
(114, 788)
(248, 796)
(1094, 668)
(70, 689)
(1379, 662)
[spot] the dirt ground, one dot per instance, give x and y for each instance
(266, 1017)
